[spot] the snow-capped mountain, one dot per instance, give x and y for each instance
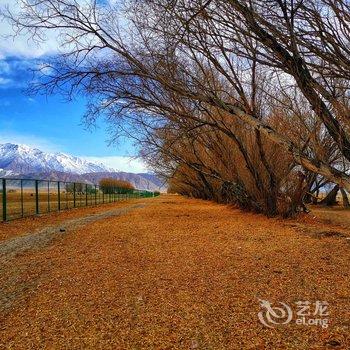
(21, 159)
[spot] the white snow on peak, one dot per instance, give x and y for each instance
(24, 159)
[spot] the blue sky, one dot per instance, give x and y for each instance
(50, 123)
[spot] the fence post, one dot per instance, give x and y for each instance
(59, 196)
(86, 195)
(48, 196)
(74, 195)
(4, 204)
(95, 195)
(37, 196)
(22, 205)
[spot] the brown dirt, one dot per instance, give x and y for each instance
(178, 274)
(334, 215)
(12, 248)
(23, 226)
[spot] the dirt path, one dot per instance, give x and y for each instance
(177, 274)
(40, 238)
(10, 249)
(21, 227)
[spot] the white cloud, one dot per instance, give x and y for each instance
(4, 67)
(29, 140)
(16, 72)
(5, 81)
(52, 40)
(120, 163)
(22, 45)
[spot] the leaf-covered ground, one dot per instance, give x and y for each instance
(20, 227)
(178, 274)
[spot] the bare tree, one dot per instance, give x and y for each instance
(222, 65)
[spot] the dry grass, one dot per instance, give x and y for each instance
(50, 203)
(178, 274)
(22, 226)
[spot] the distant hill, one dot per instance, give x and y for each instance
(138, 180)
(20, 161)
(154, 179)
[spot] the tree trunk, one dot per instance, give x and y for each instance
(331, 197)
(310, 181)
(307, 198)
(209, 191)
(330, 173)
(346, 202)
(315, 199)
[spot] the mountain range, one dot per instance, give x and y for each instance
(21, 161)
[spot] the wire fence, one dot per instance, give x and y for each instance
(27, 197)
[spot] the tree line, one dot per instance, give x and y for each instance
(238, 101)
(112, 186)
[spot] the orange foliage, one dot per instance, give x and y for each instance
(107, 184)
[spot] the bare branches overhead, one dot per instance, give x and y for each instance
(175, 72)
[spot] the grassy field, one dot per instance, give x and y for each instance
(173, 273)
